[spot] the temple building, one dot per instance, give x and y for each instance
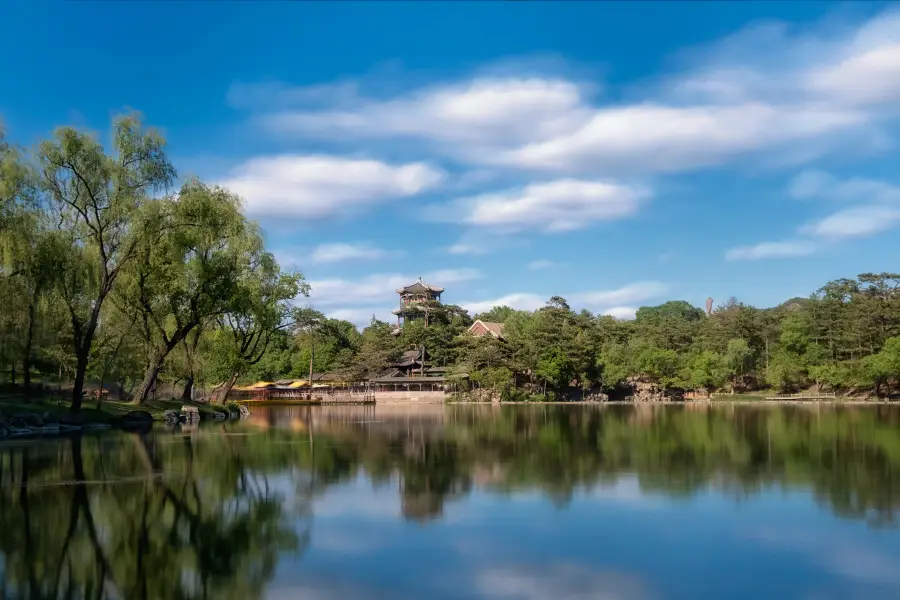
(482, 328)
(413, 373)
(412, 298)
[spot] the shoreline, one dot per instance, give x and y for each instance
(23, 417)
(688, 402)
(36, 423)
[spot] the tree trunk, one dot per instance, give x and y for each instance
(81, 361)
(83, 351)
(12, 373)
(187, 394)
(26, 355)
(149, 382)
(219, 395)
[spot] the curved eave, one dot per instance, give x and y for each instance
(409, 290)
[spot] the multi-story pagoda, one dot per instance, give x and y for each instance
(412, 298)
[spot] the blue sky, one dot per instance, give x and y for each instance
(615, 154)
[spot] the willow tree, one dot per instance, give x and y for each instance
(96, 198)
(29, 256)
(261, 306)
(195, 251)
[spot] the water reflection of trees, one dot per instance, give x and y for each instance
(207, 515)
(196, 520)
(848, 457)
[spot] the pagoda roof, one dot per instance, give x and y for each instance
(419, 286)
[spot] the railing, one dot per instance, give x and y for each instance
(302, 396)
(804, 396)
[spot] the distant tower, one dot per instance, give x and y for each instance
(709, 302)
(411, 297)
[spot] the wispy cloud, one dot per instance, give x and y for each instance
(617, 302)
(858, 221)
(635, 292)
(767, 250)
(361, 317)
(561, 205)
(537, 265)
(342, 252)
(519, 301)
(766, 89)
(480, 241)
(378, 287)
(320, 186)
(461, 247)
(868, 207)
(820, 185)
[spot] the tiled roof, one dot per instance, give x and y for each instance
(496, 329)
(419, 286)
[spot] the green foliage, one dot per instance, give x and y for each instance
(707, 370)
(108, 280)
(107, 275)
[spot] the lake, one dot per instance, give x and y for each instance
(458, 502)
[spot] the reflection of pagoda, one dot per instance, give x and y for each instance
(412, 298)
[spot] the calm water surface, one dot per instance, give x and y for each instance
(511, 503)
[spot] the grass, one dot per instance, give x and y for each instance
(108, 411)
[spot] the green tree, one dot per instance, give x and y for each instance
(261, 306)
(191, 259)
(96, 198)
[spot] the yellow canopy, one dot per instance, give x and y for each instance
(297, 384)
(320, 385)
(262, 384)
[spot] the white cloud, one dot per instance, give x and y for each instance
(320, 186)
(542, 264)
(763, 91)
(465, 248)
(810, 184)
(483, 112)
(871, 75)
(519, 301)
(815, 184)
(560, 205)
(620, 312)
(874, 207)
(341, 252)
(771, 250)
(636, 292)
(655, 137)
(480, 241)
(613, 302)
(361, 316)
(858, 221)
(378, 287)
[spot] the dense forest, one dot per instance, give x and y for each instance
(112, 278)
(843, 339)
